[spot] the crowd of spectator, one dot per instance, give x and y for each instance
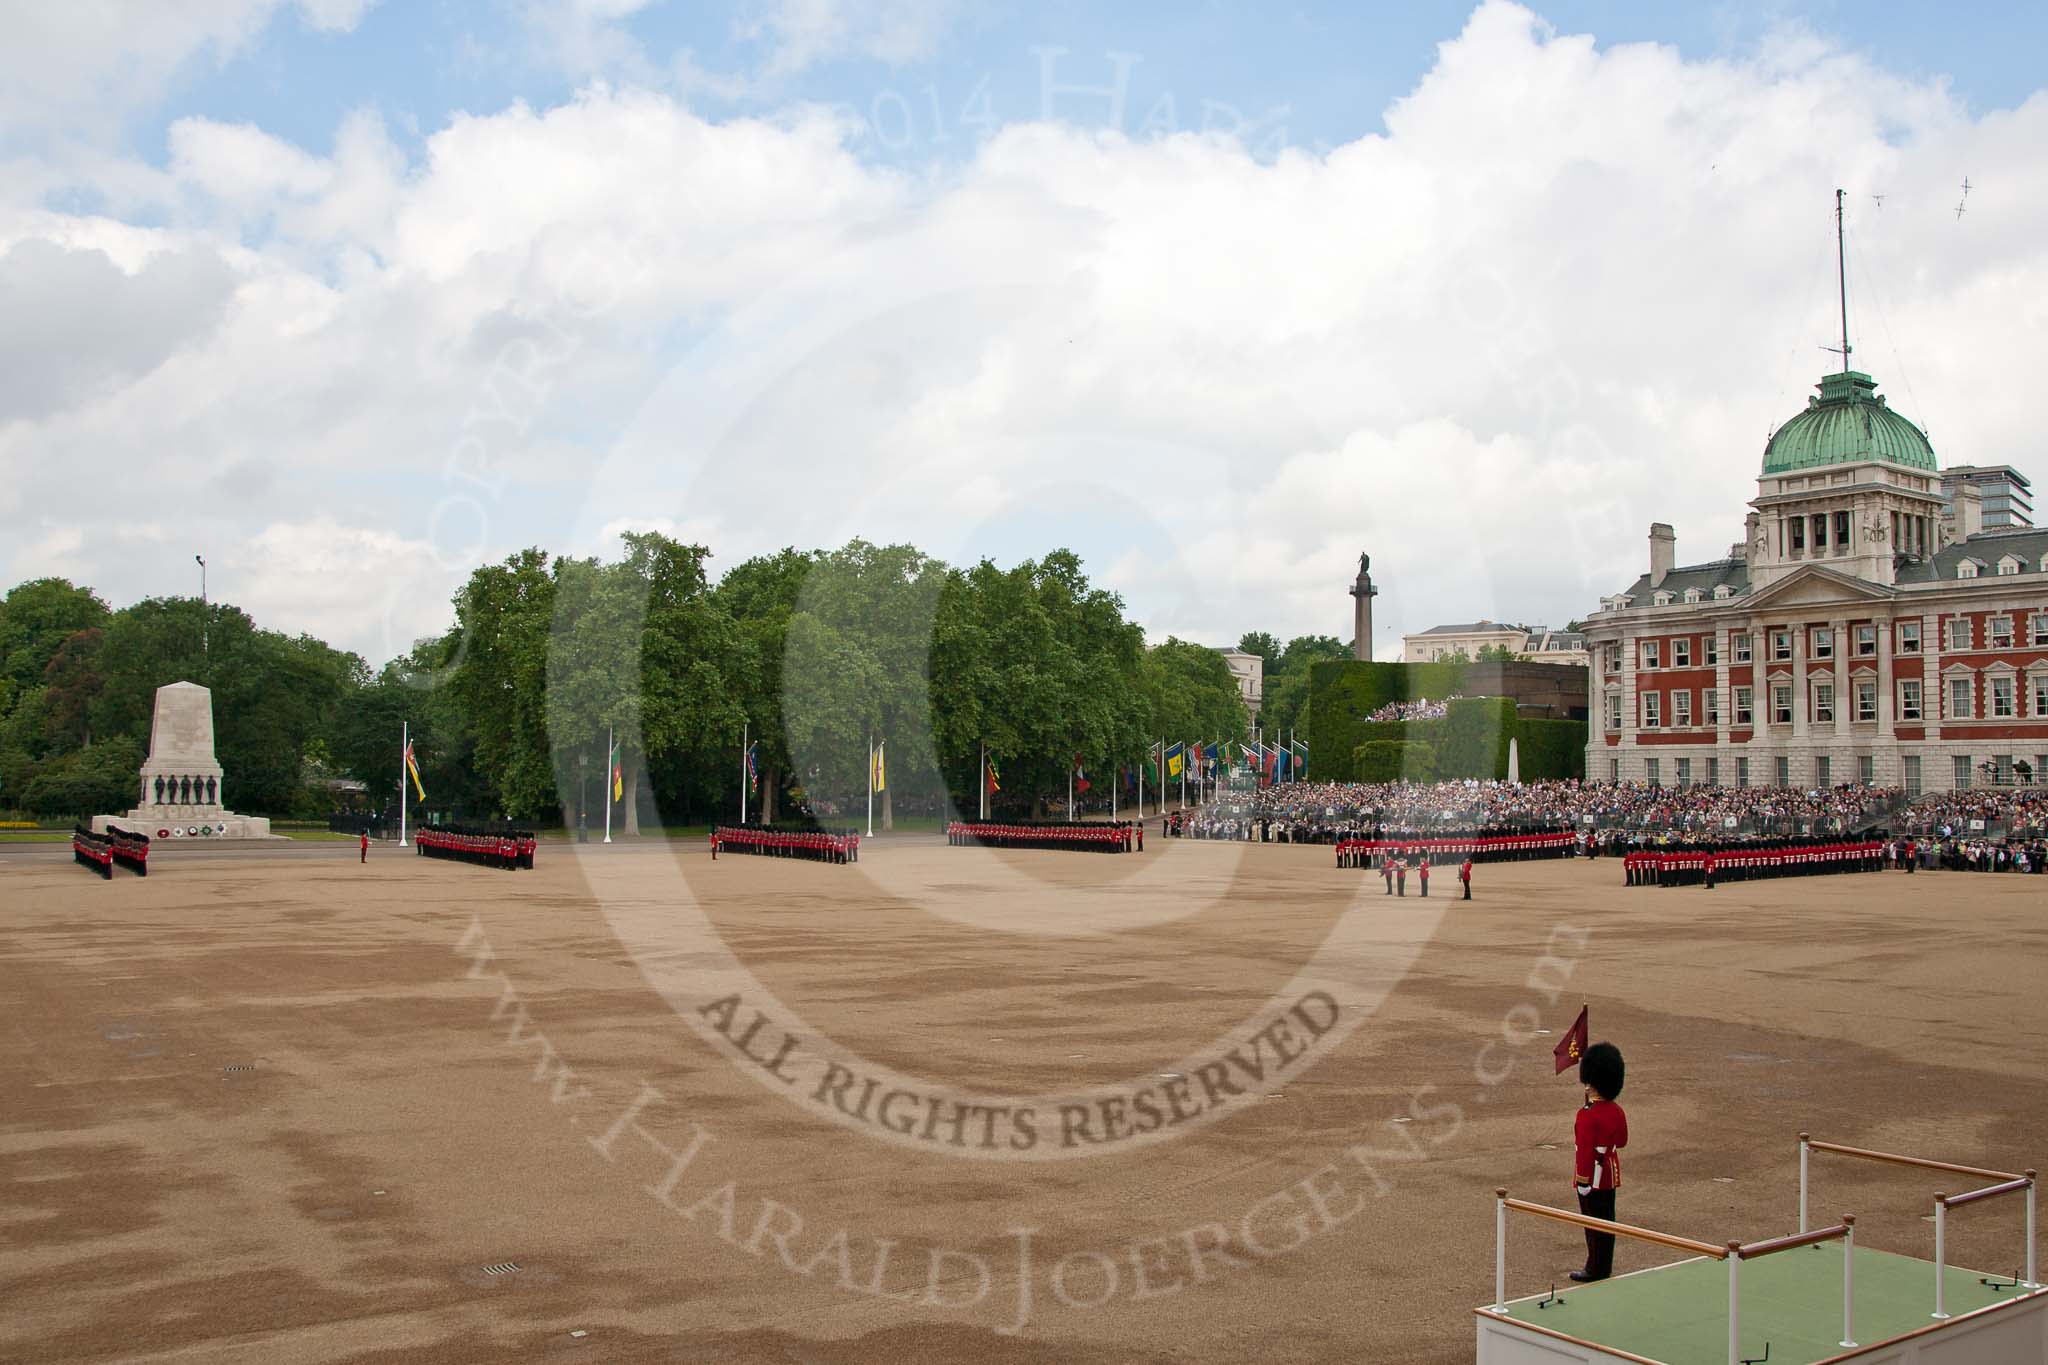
(1422, 708)
(1616, 816)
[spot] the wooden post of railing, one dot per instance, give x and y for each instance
(1805, 1153)
(1849, 1281)
(1735, 1303)
(1500, 1249)
(1940, 1255)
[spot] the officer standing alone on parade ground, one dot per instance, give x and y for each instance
(366, 845)
(1465, 875)
(1422, 871)
(1598, 1135)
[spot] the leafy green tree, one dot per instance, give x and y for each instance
(73, 682)
(1498, 654)
(271, 693)
(876, 606)
(102, 780)
(759, 597)
(496, 662)
(36, 618)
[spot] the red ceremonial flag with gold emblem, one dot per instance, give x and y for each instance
(1572, 1047)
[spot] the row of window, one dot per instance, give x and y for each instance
(2001, 702)
(1959, 633)
(1999, 768)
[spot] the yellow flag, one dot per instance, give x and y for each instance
(412, 768)
(878, 776)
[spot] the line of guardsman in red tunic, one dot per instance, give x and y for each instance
(1074, 836)
(1705, 864)
(1479, 846)
(788, 841)
(92, 851)
(99, 852)
(506, 849)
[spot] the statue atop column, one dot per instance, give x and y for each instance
(1362, 593)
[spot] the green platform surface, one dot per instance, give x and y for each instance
(1678, 1314)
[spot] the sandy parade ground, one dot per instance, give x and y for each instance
(1215, 1102)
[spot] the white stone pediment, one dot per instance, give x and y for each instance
(1814, 586)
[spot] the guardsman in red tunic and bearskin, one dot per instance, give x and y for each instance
(1598, 1136)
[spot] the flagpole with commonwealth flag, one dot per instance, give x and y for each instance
(746, 766)
(408, 766)
(615, 778)
(877, 777)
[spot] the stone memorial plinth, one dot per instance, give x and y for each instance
(183, 788)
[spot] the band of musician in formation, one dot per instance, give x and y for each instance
(1072, 836)
(788, 841)
(504, 848)
(99, 852)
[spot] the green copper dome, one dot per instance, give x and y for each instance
(1848, 423)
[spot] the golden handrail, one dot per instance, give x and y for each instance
(1664, 1239)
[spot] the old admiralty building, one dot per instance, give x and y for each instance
(1864, 630)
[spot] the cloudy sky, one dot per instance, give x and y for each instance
(349, 296)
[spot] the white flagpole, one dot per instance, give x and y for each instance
(404, 743)
(611, 755)
(743, 771)
(871, 786)
(1115, 781)
(1141, 789)
(1070, 793)
(981, 783)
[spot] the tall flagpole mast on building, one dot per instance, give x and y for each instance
(404, 747)
(1842, 278)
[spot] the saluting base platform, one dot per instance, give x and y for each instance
(1809, 1296)
(1678, 1315)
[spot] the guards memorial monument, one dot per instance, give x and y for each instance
(183, 788)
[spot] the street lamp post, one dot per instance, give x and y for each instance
(200, 560)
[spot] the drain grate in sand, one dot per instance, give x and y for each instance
(502, 1268)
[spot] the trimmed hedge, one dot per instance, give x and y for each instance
(1552, 748)
(1393, 760)
(1470, 741)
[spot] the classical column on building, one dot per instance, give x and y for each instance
(1845, 686)
(1932, 702)
(1724, 697)
(1799, 679)
(1887, 710)
(1596, 702)
(1362, 593)
(1631, 651)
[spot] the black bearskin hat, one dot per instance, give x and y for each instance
(1601, 1068)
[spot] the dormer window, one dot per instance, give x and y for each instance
(2008, 565)
(1969, 568)
(1692, 595)
(1723, 592)
(1660, 598)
